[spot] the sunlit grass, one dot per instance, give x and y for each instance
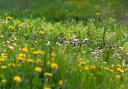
(37, 54)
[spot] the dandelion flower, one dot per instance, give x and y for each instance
(30, 60)
(47, 87)
(120, 70)
(86, 68)
(3, 55)
(21, 56)
(82, 63)
(92, 67)
(108, 69)
(54, 65)
(118, 65)
(3, 67)
(38, 69)
(2, 59)
(38, 52)
(47, 74)
(25, 50)
(17, 79)
(9, 17)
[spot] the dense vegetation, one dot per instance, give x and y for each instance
(37, 54)
(65, 9)
(63, 44)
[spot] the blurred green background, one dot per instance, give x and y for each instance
(65, 9)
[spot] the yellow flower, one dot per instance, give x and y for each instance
(21, 56)
(21, 25)
(30, 60)
(120, 70)
(2, 59)
(10, 27)
(3, 67)
(47, 87)
(4, 81)
(92, 67)
(47, 74)
(3, 55)
(82, 65)
(9, 17)
(25, 50)
(39, 60)
(17, 79)
(14, 65)
(118, 65)
(86, 68)
(54, 65)
(108, 69)
(38, 52)
(38, 69)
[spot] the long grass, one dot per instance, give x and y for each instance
(37, 54)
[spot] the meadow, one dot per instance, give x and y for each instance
(63, 44)
(37, 54)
